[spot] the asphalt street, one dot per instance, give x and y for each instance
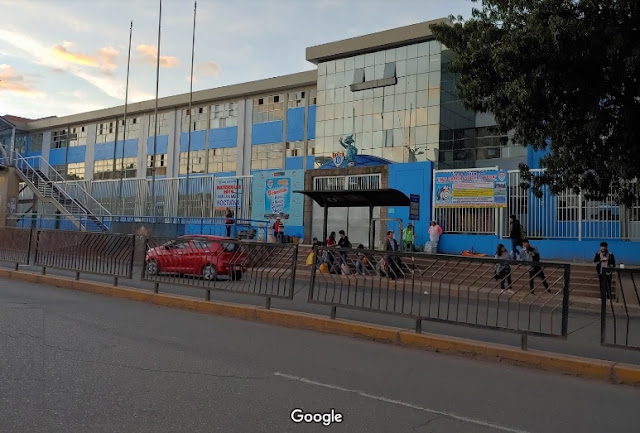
(78, 362)
(583, 339)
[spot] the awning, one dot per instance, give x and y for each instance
(358, 198)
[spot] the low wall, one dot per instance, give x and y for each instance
(627, 252)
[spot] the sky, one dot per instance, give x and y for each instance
(62, 57)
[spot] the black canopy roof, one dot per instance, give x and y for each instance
(358, 198)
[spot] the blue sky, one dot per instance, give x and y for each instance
(60, 57)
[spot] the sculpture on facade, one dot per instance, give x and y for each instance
(350, 150)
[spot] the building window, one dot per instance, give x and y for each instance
(312, 96)
(223, 115)
(77, 136)
(35, 142)
(125, 168)
(222, 160)
(267, 156)
(75, 171)
(61, 169)
(106, 132)
(163, 124)
(197, 163)
(297, 99)
(198, 119)
(103, 169)
(59, 139)
(294, 148)
(161, 164)
(133, 128)
(268, 109)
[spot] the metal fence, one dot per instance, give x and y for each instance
(94, 253)
(620, 321)
(15, 245)
(253, 268)
(527, 297)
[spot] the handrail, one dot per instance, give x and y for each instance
(61, 183)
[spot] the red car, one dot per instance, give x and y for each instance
(208, 256)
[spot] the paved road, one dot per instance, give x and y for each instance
(77, 362)
(584, 327)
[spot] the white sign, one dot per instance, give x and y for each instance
(228, 193)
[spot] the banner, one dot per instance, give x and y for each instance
(273, 196)
(473, 188)
(414, 207)
(228, 193)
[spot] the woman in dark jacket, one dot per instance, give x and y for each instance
(605, 262)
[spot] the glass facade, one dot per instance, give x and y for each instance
(389, 99)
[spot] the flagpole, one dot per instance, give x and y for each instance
(193, 44)
(124, 136)
(155, 126)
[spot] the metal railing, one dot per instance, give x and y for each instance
(525, 297)
(262, 269)
(349, 182)
(15, 245)
(94, 253)
(620, 321)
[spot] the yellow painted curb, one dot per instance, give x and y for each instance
(566, 364)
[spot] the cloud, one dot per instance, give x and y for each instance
(104, 59)
(208, 69)
(149, 55)
(41, 54)
(12, 82)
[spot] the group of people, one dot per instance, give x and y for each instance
(409, 237)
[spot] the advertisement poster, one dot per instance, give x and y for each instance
(228, 193)
(473, 188)
(273, 196)
(414, 207)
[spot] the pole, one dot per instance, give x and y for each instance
(124, 136)
(155, 126)
(193, 44)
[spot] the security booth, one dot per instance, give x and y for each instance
(365, 198)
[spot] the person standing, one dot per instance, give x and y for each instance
(278, 230)
(605, 262)
(343, 242)
(229, 221)
(503, 270)
(391, 244)
(409, 237)
(516, 234)
(435, 231)
(329, 258)
(530, 253)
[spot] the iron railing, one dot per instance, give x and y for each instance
(526, 297)
(620, 319)
(253, 268)
(15, 245)
(94, 253)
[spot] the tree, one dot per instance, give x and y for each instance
(561, 75)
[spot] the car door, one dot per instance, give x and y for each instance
(175, 257)
(196, 256)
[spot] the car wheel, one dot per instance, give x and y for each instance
(209, 273)
(152, 267)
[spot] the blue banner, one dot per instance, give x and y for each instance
(472, 188)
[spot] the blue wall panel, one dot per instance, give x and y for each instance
(57, 156)
(197, 141)
(534, 156)
(104, 151)
(264, 133)
(311, 161)
(413, 178)
(293, 163)
(311, 127)
(162, 145)
(76, 154)
(223, 137)
(295, 124)
(130, 148)
(551, 249)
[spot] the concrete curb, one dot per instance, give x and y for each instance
(564, 364)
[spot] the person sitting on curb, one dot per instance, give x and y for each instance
(530, 253)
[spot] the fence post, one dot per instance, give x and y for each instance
(565, 300)
(293, 271)
(29, 246)
(313, 272)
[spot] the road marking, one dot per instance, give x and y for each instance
(402, 403)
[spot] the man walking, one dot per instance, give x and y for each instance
(530, 253)
(516, 234)
(605, 262)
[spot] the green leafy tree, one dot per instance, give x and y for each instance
(559, 74)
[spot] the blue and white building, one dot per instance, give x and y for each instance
(391, 90)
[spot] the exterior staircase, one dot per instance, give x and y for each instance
(48, 185)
